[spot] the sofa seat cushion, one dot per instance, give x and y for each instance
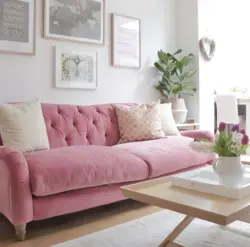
(78, 167)
(167, 155)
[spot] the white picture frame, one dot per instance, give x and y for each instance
(17, 26)
(75, 69)
(79, 21)
(126, 41)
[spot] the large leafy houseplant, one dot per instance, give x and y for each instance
(175, 74)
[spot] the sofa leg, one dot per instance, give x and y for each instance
(20, 232)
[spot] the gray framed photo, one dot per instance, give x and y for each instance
(75, 69)
(75, 20)
(17, 26)
(126, 41)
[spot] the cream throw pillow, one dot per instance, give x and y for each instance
(167, 120)
(139, 123)
(22, 126)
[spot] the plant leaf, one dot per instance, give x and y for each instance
(188, 94)
(178, 52)
(176, 89)
(189, 85)
(190, 73)
(204, 140)
(185, 61)
(159, 67)
(164, 58)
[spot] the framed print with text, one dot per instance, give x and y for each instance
(126, 42)
(17, 26)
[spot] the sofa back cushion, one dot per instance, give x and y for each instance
(69, 125)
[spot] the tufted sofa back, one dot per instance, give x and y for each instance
(69, 125)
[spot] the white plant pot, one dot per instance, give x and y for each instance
(229, 171)
(180, 116)
(179, 110)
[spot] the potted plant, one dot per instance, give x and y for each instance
(175, 75)
(229, 145)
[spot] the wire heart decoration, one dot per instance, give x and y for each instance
(210, 43)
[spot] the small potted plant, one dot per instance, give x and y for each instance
(174, 82)
(229, 145)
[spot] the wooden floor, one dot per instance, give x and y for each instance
(64, 228)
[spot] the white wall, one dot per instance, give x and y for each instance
(226, 21)
(186, 39)
(207, 70)
(26, 78)
(229, 26)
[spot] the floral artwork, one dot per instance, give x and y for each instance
(228, 142)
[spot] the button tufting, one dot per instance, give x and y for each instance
(67, 139)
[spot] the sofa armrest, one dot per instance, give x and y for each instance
(197, 134)
(15, 193)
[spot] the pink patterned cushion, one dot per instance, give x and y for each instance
(69, 125)
(139, 123)
(166, 155)
(70, 168)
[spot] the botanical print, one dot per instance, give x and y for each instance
(78, 68)
(81, 20)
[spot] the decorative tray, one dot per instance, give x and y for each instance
(205, 180)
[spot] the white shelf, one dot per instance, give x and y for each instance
(188, 125)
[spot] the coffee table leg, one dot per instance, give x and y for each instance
(245, 218)
(176, 232)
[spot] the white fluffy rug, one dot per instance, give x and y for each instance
(151, 230)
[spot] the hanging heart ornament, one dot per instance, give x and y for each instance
(207, 48)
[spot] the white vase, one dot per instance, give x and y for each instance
(179, 110)
(229, 171)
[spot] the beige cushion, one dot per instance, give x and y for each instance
(139, 123)
(22, 126)
(167, 120)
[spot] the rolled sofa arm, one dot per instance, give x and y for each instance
(197, 134)
(15, 193)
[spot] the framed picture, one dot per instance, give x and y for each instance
(76, 69)
(75, 20)
(126, 41)
(17, 26)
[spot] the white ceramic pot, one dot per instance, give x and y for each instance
(179, 110)
(229, 171)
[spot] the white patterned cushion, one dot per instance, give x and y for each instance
(139, 123)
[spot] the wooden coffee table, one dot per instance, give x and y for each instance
(215, 209)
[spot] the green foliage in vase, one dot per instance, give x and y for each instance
(175, 74)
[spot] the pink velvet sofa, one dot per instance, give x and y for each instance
(86, 166)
